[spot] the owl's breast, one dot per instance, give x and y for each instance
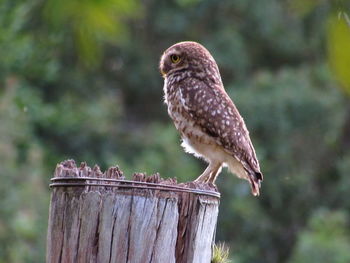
(177, 111)
(183, 121)
(195, 140)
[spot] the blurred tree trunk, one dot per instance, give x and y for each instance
(147, 220)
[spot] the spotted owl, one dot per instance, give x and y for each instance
(208, 121)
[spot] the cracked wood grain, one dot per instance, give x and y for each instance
(127, 225)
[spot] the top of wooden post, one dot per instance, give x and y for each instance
(67, 174)
(101, 217)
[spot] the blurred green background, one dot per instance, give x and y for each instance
(79, 79)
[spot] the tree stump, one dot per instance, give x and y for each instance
(101, 217)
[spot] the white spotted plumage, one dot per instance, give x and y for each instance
(208, 121)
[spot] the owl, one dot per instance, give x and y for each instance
(208, 121)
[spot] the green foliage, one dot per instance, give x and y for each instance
(220, 254)
(79, 79)
(325, 240)
(23, 192)
(90, 23)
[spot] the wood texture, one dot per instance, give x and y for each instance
(131, 222)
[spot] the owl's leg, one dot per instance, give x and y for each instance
(211, 172)
(205, 175)
(214, 174)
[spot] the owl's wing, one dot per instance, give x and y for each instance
(214, 112)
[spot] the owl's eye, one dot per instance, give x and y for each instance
(175, 58)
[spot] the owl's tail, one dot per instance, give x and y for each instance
(255, 179)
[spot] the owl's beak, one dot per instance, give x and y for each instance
(163, 73)
(164, 67)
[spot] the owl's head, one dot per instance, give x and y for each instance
(186, 56)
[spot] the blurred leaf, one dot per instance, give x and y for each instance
(303, 7)
(187, 3)
(91, 23)
(338, 40)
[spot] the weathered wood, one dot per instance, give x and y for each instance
(93, 219)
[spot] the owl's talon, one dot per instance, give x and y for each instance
(212, 185)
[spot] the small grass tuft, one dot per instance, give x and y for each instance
(220, 253)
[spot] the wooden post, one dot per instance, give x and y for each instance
(97, 217)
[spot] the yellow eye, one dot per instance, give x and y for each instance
(175, 58)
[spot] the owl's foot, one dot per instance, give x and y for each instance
(213, 186)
